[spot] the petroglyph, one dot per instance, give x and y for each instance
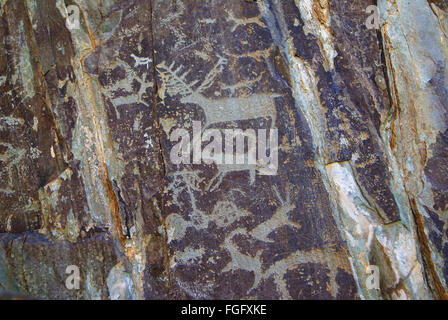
(11, 157)
(240, 260)
(122, 93)
(278, 219)
(224, 214)
(237, 22)
(141, 61)
(260, 105)
(86, 121)
(223, 169)
(219, 110)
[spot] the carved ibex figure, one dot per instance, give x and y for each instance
(260, 105)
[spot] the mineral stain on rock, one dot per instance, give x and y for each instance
(87, 117)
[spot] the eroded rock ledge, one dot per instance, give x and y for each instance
(86, 178)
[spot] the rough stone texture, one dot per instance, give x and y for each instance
(86, 178)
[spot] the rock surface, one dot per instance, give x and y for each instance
(87, 179)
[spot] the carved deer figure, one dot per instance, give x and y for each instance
(260, 105)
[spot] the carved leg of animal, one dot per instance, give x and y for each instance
(252, 172)
(215, 182)
(279, 197)
(273, 119)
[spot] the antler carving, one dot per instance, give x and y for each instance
(175, 81)
(217, 69)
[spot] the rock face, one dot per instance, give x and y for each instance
(87, 116)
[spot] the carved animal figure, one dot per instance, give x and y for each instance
(260, 105)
